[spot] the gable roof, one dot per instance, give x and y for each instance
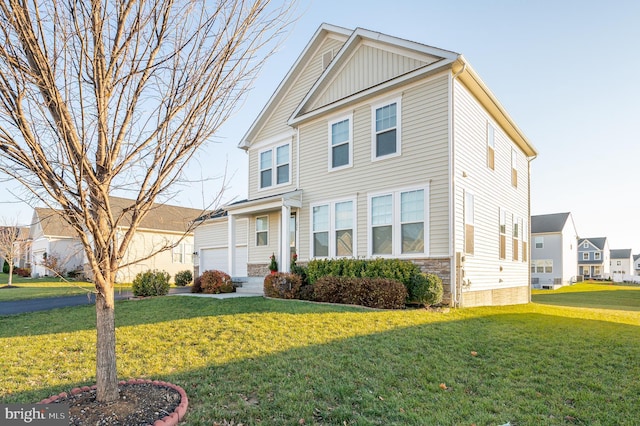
(620, 253)
(599, 242)
(433, 60)
(161, 217)
(636, 257)
(545, 223)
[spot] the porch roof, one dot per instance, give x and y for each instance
(269, 203)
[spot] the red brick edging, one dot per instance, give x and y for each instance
(170, 420)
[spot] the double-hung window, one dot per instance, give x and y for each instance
(340, 150)
(491, 147)
(585, 256)
(386, 129)
(596, 255)
(469, 221)
(333, 228)
(503, 234)
(514, 168)
(276, 159)
(398, 223)
(182, 253)
(262, 231)
(516, 237)
(525, 239)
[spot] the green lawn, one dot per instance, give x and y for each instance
(270, 362)
(32, 288)
(599, 295)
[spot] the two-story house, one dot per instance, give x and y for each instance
(593, 257)
(621, 262)
(636, 264)
(375, 146)
(554, 250)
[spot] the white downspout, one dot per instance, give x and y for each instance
(452, 215)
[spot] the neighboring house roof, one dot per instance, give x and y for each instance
(620, 253)
(636, 257)
(161, 217)
(546, 223)
(599, 242)
(429, 60)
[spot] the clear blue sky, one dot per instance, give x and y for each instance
(564, 70)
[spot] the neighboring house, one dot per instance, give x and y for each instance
(21, 245)
(554, 250)
(163, 226)
(636, 264)
(375, 146)
(593, 257)
(622, 262)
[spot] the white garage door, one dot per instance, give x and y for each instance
(217, 259)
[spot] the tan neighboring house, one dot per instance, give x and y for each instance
(164, 226)
(375, 146)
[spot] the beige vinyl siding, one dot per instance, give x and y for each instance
(492, 190)
(424, 160)
(261, 254)
(277, 122)
(367, 67)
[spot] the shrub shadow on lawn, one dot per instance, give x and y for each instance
(529, 368)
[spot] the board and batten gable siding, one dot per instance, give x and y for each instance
(367, 67)
(492, 190)
(276, 124)
(423, 161)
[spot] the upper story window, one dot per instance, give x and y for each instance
(502, 230)
(539, 242)
(491, 147)
(469, 223)
(596, 255)
(516, 237)
(278, 159)
(340, 149)
(585, 245)
(386, 129)
(585, 256)
(398, 222)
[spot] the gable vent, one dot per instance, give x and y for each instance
(326, 59)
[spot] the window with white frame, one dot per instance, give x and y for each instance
(618, 263)
(386, 129)
(514, 168)
(278, 159)
(503, 234)
(333, 227)
(262, 231)
(585, 245)
(516, 236)
(585, 256)
(525, 239)
(491, 147)
(469, 222)
(542, 266)
(182, 253)
(340, 143)
(398, 222)
(597, 255)
(539, 241)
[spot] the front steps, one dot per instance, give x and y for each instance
(250, 285)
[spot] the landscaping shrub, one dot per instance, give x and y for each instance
(425, 289)
(371, 292)
(151, 283)
(282, 286)
(197, 285)
(5, 267)
(394, 269)
(22, 272)
(183, 278)
(215, 282)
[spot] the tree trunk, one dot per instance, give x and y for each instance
(106, 377)
(10, 279)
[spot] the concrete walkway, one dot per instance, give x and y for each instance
(44, 304)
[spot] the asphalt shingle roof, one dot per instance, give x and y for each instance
(598, 242)
(620, 253)
(548, 222)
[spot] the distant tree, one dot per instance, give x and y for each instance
(12, 245)
(97, 96)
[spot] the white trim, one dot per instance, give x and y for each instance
(396, 251)
(465, 222)
(374, 107)
(330, 145)
(255, 241)
(273, 140)
(331, 204)
(274, 167)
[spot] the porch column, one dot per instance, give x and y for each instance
(231, 244)
(285, 251)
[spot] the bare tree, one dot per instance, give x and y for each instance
(97, 96)
(12, 244)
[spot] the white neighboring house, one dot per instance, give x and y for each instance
(554, 250)
(375, 146)
(163, 226)
(622, 262)
(636, 264)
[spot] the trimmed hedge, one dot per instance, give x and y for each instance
(393, 269)
(183, 278)
(151, 283)
(371, 292)
(282, 286)
(425, 289)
